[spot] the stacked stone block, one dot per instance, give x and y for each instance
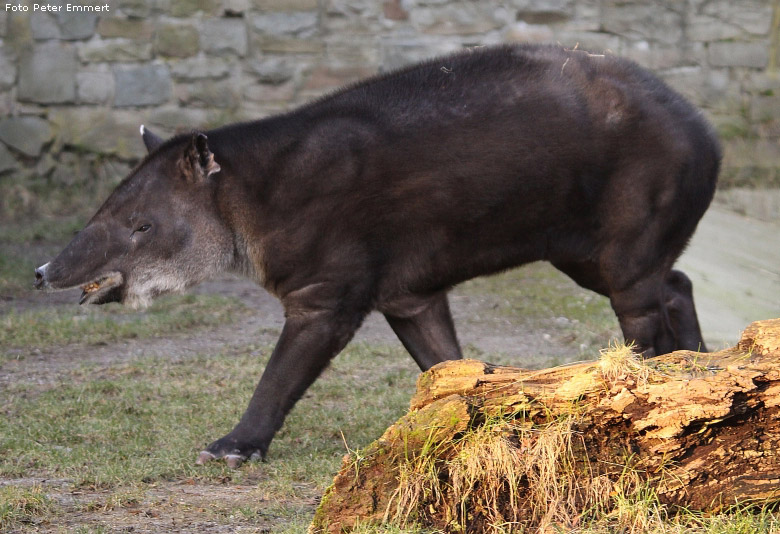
(74, 87)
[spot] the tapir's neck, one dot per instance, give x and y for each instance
(249, 155)
(248, 259)
(250, 149)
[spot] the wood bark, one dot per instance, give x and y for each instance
(703, 430)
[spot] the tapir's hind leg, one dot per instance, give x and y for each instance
(643, 318)
(660, 313)
(424, 326)
(639, 306)
(682, 312)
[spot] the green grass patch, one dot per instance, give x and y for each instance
(25, 245)
(640, 515)
(42, 229)
(82, 324)
(390, 529)
(23, 505)
(645, 515)
(16, 271)
(538, 297)
(538, 291)
(108, 426)
(145, 421)
(123, 430)
(120, 432)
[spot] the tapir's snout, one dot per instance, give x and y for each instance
(40, 277)
(86, 262)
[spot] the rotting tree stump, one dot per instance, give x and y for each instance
(484, 445)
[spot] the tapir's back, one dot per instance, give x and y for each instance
(494, 157)
(479, 161)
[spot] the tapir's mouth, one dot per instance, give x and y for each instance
(107, 288)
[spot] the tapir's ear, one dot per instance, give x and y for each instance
(200, 163)
(151, 140)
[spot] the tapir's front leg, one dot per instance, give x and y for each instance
(308, 342)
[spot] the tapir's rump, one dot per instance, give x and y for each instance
(385, 194)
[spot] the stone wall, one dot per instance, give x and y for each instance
(74, 86)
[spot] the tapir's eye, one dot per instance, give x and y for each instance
(143, 228)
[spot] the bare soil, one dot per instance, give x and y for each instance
(177, 507)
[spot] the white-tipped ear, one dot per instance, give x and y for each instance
(151, 140)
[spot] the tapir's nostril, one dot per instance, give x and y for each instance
(40, 276)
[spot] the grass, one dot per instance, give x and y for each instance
(619, 360)
(29, 244)
(111, 426)
(122, 430)
(484, 480)
(16, 271)
(45, 229)
(648, 519)
(124, 437)
(538, 298)
(20, 505)
(538, 291)
(32, 330)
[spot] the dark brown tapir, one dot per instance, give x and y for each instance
(385, 194)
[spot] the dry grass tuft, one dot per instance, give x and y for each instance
(489, 478)
(484, 475)
(619, 361)
(548, 465)
(418, 482)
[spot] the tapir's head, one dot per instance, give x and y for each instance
(159, 231)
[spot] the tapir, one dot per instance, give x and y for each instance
(387, 193)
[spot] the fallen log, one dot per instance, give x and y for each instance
(486, 446)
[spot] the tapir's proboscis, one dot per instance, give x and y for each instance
(387, 193)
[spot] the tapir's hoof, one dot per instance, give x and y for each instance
(233, 459)
(205, 456)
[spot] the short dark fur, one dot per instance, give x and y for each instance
(386, 194)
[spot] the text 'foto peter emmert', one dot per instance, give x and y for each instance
(73, 8)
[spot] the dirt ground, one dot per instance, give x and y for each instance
(733, 260)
